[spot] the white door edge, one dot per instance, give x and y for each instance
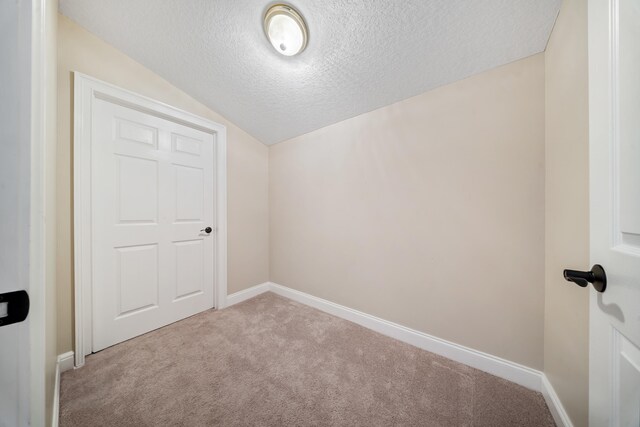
(42, 128)
(614, 144)
(86, 89)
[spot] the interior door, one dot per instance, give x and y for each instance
(614, 133)
(15, 49)
(152, 186)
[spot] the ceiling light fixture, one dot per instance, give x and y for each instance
(285, 29)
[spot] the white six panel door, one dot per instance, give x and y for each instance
(614, 139)
(152, 193)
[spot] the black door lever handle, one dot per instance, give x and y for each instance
(596, 276)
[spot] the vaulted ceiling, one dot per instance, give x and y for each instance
(361, 54)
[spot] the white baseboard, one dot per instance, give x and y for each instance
(64, 363)
(55, 416)
(502, 368)
(560, 416)
(246, 294)
(511, 371)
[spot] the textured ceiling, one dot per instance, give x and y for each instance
(361, 54)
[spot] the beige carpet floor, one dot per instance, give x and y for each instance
(273, 362)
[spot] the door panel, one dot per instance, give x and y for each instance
(189, 268)
(189, 183)
(152, 194)
(628, 123)
(614, 133)
(18, 206)
(626, 376)
(137, 189)
(137, 279)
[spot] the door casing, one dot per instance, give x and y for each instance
(86, 90)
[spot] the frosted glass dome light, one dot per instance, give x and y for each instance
(285, 29)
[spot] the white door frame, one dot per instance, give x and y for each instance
(42, 163)
(86, 90)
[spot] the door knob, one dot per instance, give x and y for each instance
(207, 230)
(596, 276)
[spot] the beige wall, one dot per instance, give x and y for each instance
(566, 349)
(248, 264)
(428, 212)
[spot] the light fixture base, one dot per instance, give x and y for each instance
(285, 29)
